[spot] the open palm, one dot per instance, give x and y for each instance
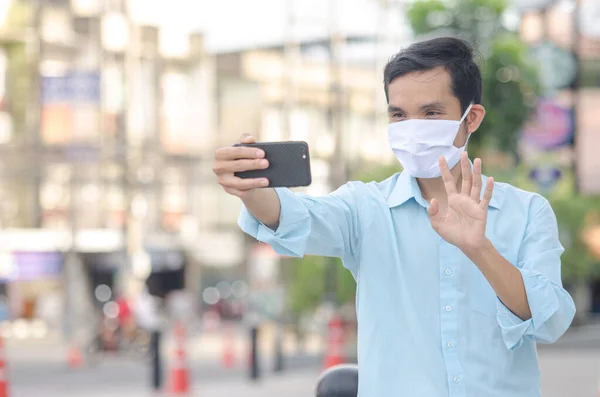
(463, 222)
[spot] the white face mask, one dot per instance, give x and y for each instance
(419, 143)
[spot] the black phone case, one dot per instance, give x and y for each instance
(289, 164)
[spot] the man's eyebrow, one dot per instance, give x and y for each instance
(394, 109)
(433, 105)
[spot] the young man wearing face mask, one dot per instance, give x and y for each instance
(458, 276)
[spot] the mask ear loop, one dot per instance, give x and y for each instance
(466, 113)
(463, 119)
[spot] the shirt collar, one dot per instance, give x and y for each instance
(406, 187)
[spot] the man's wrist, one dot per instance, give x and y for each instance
(478, 253)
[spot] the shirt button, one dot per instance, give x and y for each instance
(448, 272)
(456, 379)
(448, 308)
(450, 344)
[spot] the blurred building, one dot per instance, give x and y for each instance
(104, 159)
(571, 29)
(108, 126)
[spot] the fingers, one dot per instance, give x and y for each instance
(238, 152)
(467, 177)
(476, 189)
(235, 192)
(487, 194)
(247, 138)
(232, 159)
(224, 167)
(447, 177)
(434, 213)
(434, 207)
(230, 181)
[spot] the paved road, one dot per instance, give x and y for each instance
(572, 373)
(569, 369)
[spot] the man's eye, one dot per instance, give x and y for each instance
(397, 115)
(433, 114)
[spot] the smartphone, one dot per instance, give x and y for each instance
(289, 164)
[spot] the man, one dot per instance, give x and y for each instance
(458, 277)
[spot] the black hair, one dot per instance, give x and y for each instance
(455, 55)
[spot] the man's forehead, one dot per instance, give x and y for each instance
(429, 76)
(421, 87)
(438, 77)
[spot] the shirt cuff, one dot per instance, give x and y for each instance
(290, 237)
(543, 303)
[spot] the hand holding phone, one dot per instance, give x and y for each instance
(247, 166)
(231, 159)
(289, 163)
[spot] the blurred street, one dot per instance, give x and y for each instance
(115, 228)
(569, 368)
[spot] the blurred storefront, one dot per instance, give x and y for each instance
(31, 277)
(569, 67)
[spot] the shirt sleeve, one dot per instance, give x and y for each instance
(552, 308)
(324, 226)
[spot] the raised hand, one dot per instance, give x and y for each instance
(463, 222)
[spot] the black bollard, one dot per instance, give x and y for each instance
(156, 360)
(339, 381)
(278, 367)
(254, 369)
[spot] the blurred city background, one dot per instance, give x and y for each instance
(113, 229)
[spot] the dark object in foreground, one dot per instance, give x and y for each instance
(339, 381)
(254, 369)
(156, 363)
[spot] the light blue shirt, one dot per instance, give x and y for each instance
(429, 323)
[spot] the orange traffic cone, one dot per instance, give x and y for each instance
(335, 343)
(75, 358)
(180, 381)
(228, 357)
(3, 372)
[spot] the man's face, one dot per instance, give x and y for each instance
(428, 95)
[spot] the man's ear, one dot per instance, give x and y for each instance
(474, 118)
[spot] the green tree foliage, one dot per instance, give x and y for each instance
(578, 263)
(509, 75)
(306, 284)
(376, 172)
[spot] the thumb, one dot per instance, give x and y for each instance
(434, 210)
(247, 138)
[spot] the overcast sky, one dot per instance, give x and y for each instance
(236, 24)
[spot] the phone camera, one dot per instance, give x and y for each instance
(304, 156)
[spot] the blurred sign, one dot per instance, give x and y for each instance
(56, 110)
(37, 265)
(557, 67)
(70, 107)
(545, 176)
(551, 126)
